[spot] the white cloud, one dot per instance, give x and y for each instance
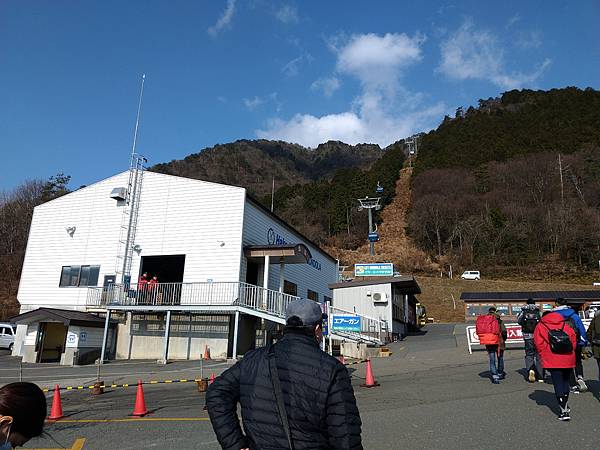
(529, 39)
(287, 14)
(514, 19)
(256, 101)
(224, 20)
(478, 54)
(383, 112)
(326, 85)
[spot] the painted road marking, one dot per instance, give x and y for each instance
(132, 419)
(77, 445)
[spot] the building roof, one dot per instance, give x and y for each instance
(575, 296)
(66, 316)
(291, 254)
(408, 283)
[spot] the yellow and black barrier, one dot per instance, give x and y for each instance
(124, 385)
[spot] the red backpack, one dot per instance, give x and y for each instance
(488, 329)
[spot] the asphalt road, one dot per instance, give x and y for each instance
(433, 395)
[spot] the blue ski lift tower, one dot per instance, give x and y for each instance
(370, 203)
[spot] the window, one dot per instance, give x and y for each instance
(326, 299)
(312, 295)
(79, 276)
(290, 288)
(516, 309)
(502, 310)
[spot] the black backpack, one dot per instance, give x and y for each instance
(559, 340)
(529, 320)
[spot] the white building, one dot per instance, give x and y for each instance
(390, 300)
(211, 247)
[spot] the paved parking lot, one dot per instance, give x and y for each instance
(433, 395)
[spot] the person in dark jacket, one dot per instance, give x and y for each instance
(528, 318)
(593, 335)
(318, 398)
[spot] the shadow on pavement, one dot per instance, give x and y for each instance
(417, 333)
(545, 398)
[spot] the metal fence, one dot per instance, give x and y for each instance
(371, 330)
(191, 294)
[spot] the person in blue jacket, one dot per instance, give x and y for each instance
(577, 382)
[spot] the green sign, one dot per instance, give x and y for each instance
(374, 270)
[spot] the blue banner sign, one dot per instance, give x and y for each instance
(345, 323)
(374, 270)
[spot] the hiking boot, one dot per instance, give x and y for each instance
(574, 389)
(502, 376)
(564, 416)
(531, 376)
(495, 380)
(581, 384)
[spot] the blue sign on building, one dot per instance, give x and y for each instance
(374, 270)
(345, 323)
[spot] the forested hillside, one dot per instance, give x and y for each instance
(253, 164)
(513, 183)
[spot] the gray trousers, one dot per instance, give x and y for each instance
(532, 358)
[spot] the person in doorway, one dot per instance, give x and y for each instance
(528, 318)
(153, 289)
(576, 380)
(292, 394)
(143, 287)
(593, 336)
(556, 342)
(492, 333)
(22, 414)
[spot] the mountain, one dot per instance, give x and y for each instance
(512, 186)
(253, 163)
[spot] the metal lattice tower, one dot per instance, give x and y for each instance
(132, 204)
(129, 218)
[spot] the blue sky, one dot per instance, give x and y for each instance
(301, 71)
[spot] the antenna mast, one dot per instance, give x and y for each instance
(132, 202)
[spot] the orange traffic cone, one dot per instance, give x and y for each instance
(212, 378)
(139, 409)
(370, 381)
(342, 360)
(206, 352)
(56, 411)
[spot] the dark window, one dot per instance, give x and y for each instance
(290, 288)
(312, 295)
(79, 276)
(326, 299)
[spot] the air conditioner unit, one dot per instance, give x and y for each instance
(380, 297)
(119, 193)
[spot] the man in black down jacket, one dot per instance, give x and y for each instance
(319, 399)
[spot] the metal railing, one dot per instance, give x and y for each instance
(227, 293)
(374, 331)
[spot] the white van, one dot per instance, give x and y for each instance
(7, 335)
(471, 275)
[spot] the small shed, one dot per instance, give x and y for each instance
(392, 299)
(509, 304)
(59, 335)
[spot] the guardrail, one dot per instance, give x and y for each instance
(226, 293)
(374, 331)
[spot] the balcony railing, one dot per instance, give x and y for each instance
(191, 294)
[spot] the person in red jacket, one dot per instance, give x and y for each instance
(560, 365)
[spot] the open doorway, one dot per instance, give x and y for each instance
(252, 271)
(53, 337)
(166, 268)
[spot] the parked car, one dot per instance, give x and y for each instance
(471, 275)
(7, 335)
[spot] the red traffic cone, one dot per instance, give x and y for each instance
(206, 352)
(56, 411)
(370, 381)
(139, 409)
(342, 360)
(212, 378)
